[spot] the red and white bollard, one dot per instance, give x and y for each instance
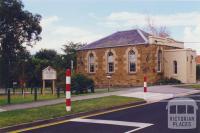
(68, 90)
(145, 83)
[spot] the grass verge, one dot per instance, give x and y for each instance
(18, 98)
(10, 118)
(193, 86)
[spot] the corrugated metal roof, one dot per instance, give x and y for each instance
(121, 38)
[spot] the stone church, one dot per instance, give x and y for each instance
(127, 56)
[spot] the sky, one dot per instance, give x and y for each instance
(89, 20)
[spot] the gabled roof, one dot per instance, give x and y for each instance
(49, 68)
(121, 38)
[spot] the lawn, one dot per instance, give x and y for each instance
(193, 86)
(46, 112)
(18, 98)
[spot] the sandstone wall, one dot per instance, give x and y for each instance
(146, 64)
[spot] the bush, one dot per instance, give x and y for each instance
(198, 71)
(166, 81)
(80, 84)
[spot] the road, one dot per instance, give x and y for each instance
(149, 118)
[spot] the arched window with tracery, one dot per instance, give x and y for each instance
(91, 63)
(110, 62)
(132, 61)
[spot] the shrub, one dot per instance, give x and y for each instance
(81, 83)
(166, 81)
(198, 71)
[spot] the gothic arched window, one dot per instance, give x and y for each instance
(110, 62)
(91, 63)
(132, 61)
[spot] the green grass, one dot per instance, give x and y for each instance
(46, 112)
(194, 86)
(18, 98)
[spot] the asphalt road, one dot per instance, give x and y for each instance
(151, 118)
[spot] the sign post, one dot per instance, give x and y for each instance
(109, 77)
(49, 74)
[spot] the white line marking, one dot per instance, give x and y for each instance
(119, 123)
(134, 130)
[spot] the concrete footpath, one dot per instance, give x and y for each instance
(155, 93)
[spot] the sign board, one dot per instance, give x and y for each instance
(14, 83)
(49, 73)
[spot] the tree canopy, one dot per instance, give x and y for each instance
(18, 28)
(70, 50)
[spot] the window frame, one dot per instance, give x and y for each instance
(90, 64)
(175, 67)
(129, 62)
(108, 62)
(159, 61)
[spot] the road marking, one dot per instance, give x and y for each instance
(131, 131)
(119, 123)
(65, 121)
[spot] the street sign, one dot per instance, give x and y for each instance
(49, 73)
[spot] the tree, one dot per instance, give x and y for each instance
(70, 50)
(160, 31)
(42, 59)
(18, 28)
(47, 54)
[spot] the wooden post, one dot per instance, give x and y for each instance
(43, 84)
(53, 87)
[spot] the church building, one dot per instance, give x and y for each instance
(126, 56)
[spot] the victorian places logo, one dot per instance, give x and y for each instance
(182, 113)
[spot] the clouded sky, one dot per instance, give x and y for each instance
(89, 20)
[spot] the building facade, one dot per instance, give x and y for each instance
(127, 56)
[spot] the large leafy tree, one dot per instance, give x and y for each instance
(18, 28)
(70, 50)
(47, 54)
(39, 61)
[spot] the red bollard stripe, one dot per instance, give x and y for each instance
(68, 102)
(68, 72)
(68, 87)
(145, 78)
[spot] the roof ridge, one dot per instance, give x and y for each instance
(142, 35)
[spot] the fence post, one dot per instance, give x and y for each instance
(35, 94)
(145, 83)
(8, 95)
(58, 92)
(13, 90)
(68, 90)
